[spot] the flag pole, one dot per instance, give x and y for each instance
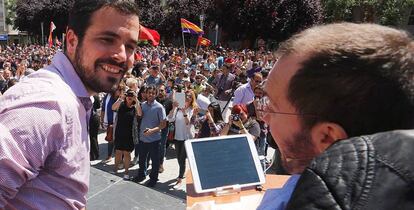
(183, 39)
(63, 41)
(41, 28)
(197, 43)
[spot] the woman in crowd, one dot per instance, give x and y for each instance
(211, 123)
(126, 108)
(108, 116)
(183, 129)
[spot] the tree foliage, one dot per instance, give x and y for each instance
(247, 19)
(30, 14)
(386, 12)
(10, 7)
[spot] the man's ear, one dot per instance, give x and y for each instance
(71, 42)
(325, 134)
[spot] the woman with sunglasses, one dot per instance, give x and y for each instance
(184, 129)
(127, 108)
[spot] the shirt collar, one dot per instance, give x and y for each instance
(64, 68)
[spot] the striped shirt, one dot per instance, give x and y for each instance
(44, 147)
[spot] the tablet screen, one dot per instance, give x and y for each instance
(225, 162)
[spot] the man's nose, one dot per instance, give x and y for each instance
(120, 54)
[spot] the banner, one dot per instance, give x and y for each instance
(52, 28)
(203, 41)
(189, 27)
(149, 34)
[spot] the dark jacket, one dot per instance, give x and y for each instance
(368, 172)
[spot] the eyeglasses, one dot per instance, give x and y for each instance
(264, 107)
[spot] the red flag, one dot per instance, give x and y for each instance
(52, 28)
(138, 56)
(203, 41)
(149, 34)
(57, 42)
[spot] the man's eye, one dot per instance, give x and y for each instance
(107, 40)
(130, 47)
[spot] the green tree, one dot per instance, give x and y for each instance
(386, 12)
(10, 7)
(30, 14)
(270, 19)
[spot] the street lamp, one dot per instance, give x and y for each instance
(217, 27)
(202, 16)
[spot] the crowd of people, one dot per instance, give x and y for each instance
(223, 90)
(229, 82)
(18, 61)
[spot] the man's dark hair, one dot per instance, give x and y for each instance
(82, 10)
(152, 87)
(217, 117)
(359, 76)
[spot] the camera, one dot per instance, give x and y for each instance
(235, 117)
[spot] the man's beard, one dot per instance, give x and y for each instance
(301, 145)
(90, 77)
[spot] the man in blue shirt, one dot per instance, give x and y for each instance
(152, 122)
(156, 77)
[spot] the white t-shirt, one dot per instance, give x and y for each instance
(182, 131)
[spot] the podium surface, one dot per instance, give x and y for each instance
(193, 198)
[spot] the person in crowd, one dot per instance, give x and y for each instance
(142, 96)
(245, 93)
(4, 80)
(211, 123)
(187, 84)
(168, 105)
(170, 87)
(241, 123)
(155, 77)
(224, 88)
(48, 167)
(361, 81)
(94, 129)
(153, 120)
(132, 84)
(21, 70)
(128, 109)
(108, 116)
(184, 130)
(199, 84)
(211, 75)
(181, 75)
(252, 108)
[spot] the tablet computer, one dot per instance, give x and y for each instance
(180, 98)
(224, 162)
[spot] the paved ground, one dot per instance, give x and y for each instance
(108, 191)
(99, 179)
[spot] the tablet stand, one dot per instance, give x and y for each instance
(227, 190)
